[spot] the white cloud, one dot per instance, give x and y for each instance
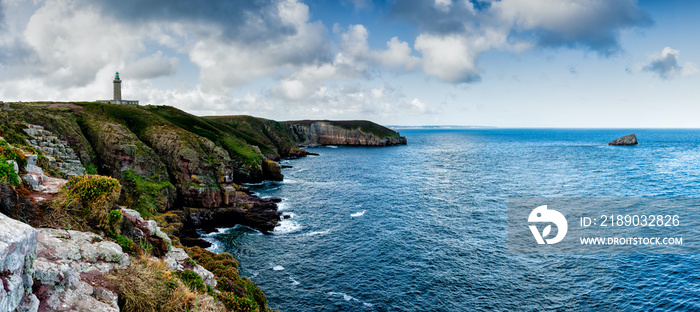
(666, 66)
(450, 58)
(443, 5)
(225, 64)
(72, 43)
(152, 66)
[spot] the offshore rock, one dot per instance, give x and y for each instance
(66, 267)
(629, 139)
(18, 243)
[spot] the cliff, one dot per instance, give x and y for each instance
(349, 132)
(181, 171)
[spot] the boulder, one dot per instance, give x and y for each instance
(68, 267)
(629, 139)
(18, 242)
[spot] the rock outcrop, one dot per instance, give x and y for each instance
(351, 133)
(68, 269)
(629, 139)
(18, 242)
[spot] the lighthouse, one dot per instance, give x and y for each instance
(117, 98)
(117, 89)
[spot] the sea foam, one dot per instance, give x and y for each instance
(358, 214)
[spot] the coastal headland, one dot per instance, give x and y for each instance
(145, 178)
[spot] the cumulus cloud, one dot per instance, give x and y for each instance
(152, 66)
(666, 66)
(251, 21)
(592, 24)
(453, 34)
(450, 58)
(355, 54)
(225, 64)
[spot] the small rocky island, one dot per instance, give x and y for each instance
(629, 139)
(100, 202)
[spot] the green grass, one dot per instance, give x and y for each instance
(221, 134)
(144, 195)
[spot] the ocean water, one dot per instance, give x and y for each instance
(423, 227)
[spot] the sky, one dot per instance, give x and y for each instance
(508, 63)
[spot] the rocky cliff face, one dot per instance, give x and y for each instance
(18, 243)
(352, 133)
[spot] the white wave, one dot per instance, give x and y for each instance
(254, 274)
(282, 205)
(287, 226)
(289, 181)
(294, 282)
(278, 268)
(347, 297)
(358, 214)
(331, 146)
(291, 215)
(318, 233)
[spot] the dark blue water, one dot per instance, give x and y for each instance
(422, 227)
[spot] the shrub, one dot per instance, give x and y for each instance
(237, 293)
(192, 280)
(7, 172)
(95, 196)
(238, 304)
(126, 243)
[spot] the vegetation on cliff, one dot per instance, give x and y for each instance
(178, 169)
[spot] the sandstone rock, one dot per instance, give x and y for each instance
(18, 242)
(310, 132)
(629, 139)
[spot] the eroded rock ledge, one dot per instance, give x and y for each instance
(351, 133)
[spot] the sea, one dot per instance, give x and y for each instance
(424, 227)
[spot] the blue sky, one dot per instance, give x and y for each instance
(509, 63)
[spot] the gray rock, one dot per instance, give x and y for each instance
(18, 243)
(629, 139)
(64, 257)
(176, 260)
